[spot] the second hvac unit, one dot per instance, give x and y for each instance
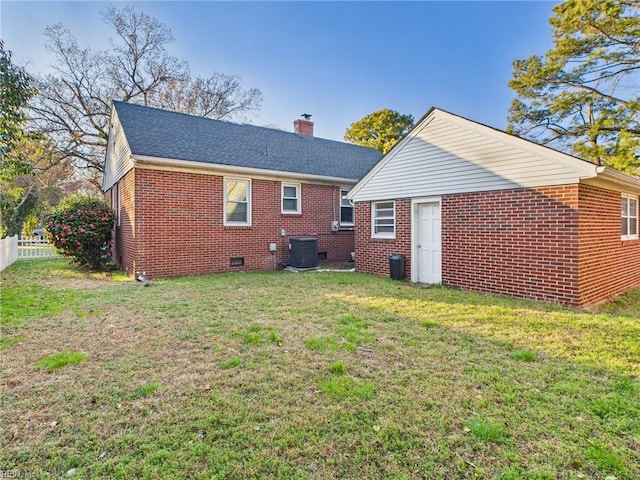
(304, 252)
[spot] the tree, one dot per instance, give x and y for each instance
(16, 90)
(219, 96)
(381, 129)
(31, 170)
(73, 104)
(583, 96)
(38, 187)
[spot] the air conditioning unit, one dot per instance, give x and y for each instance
(304, 252)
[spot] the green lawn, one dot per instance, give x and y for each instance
(315, 375)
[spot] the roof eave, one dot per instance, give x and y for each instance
(390, 154)
(231, 169)
(618, 178)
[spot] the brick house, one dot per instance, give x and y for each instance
(477, 208)
(195, 195)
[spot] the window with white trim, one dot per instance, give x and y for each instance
(237, 201)
(346, 209)
(629, 217)
(383, 219)
(115, 202)
(291, 198)
(113, 199)
(119, 203)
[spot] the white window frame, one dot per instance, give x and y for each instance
(116, 202)
(119, 200)
(224, 210)
(351, 205)
(630, 217)
(374, 218)
(113, 202)
(298, 199)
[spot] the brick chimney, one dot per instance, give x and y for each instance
(303, 125)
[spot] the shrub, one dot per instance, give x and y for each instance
(81, 228)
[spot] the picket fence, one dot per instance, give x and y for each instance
(18, 248)
(8, 251)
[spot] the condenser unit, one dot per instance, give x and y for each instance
(304, 252)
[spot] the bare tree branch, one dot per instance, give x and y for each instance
(74, 103)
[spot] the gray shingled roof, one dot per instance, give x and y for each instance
(165, 134)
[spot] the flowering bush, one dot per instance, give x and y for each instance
(81, 228)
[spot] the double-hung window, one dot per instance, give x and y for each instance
(119, 204)
(116, 203)
(383, 219)
(629, 217)
(237, 201)
(291, 198)
(346, 209)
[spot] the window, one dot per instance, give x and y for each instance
(346, 209)
(629, 217)
(119, 203)
(291, 198)
(116, 204)
(383, 220)
(237, 201)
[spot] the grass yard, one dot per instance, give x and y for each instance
(309, 376)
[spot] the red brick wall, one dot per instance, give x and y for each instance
(372, 254)
(527, 243)
(179, 226)
(123, 250)
(522, 243)
(608, 265)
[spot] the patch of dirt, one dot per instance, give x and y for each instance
(77, 283)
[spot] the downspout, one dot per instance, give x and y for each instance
(333, 205)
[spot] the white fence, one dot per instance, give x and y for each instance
(18, 248)
(35, 247)
(8, 251)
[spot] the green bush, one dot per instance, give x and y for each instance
(81, 228)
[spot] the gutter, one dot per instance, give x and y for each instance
(619, 178)
(169, 162)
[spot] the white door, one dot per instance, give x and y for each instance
(429, 244)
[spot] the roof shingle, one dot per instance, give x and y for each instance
(165, 134)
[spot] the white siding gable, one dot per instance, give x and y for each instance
(118, 160)
(446, 154)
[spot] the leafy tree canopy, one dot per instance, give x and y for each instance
(381, 129)
(36, 187)
(15, 92)
(73, 104)
(16, 200)
(583, 96)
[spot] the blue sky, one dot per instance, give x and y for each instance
(336, 60)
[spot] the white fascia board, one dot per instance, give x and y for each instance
(392, 153)
(583, 168)
(113, 117)
(113, 121)
(608, 175)
(230, 169)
